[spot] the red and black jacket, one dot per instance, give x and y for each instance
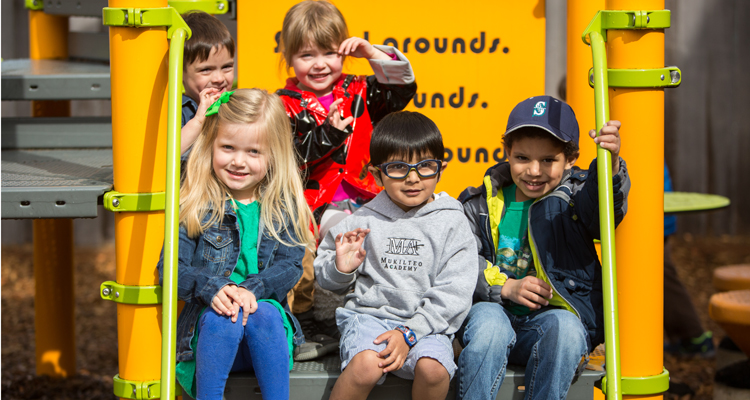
(329, 155)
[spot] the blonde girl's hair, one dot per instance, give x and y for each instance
(314, 22)
(280, 193)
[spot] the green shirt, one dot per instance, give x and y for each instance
(513, 251)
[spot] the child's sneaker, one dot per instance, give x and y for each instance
(317, 344)
(701, 346)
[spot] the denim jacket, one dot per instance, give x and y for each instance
(206, 262)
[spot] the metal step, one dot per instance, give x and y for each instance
(83, 8)
(313, 380)
(56, 133)
(26, 79)
(54, 183)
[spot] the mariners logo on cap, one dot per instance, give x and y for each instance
(540, 108)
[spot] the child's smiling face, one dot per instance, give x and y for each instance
(317, 69)
(240, 159)
(217, 71)
(413, 190)
(537, 166)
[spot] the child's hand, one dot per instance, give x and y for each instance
(349, 251)
(249, 304)
(192, 128)
(530, 291)
(361, 48)
(395, 352)
(224, 301)
(207, 96)
(334, 116)
(610, 140)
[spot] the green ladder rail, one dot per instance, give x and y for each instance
(601, 78)
(606, 222)
(172, 213)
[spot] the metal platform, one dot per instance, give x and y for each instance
(56, 133)
(84, 8)
(313, 380)
(54, 80)
(54, 183)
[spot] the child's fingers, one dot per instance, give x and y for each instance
(614, 123)
(347, 121)
(220, 305)
(236, 312)
(252, 307)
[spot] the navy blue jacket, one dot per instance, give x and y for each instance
(562, 227)
(206, 262)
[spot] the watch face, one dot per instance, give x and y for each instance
(411, 338)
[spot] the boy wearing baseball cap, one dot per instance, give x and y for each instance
(538, 299)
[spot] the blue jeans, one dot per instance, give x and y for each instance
(225, 347)
(549, 343)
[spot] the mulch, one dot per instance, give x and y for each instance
(96, 321)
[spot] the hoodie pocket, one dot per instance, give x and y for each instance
(397, 302)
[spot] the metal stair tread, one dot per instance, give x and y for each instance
(54, 183)
(26, 79)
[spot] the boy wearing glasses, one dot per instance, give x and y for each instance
(407, 260)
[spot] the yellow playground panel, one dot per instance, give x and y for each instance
(469, 75)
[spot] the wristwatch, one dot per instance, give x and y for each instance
(409, 336)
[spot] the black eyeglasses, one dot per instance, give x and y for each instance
(400, 169)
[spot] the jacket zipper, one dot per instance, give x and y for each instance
(549, 279)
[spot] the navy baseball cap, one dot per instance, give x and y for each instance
(545, 112)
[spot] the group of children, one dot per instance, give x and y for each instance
(509, 269)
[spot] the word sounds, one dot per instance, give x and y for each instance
(439, 45)
(455, 100)
(481, 155)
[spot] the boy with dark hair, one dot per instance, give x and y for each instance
(538, 296)
(409, 283)
(208, 71)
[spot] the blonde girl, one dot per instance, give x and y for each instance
(244, 227)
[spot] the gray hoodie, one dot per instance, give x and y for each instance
(420, 266)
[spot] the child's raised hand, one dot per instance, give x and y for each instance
(226, 301)
(349, 251)
(249, 304)
(610, 140)
(530, 291)
(361, 48)
(334, 116)
(207, 96)
(394, 354)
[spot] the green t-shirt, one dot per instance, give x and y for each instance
(513, 251)
(247, 263)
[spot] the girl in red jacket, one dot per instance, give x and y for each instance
(333, 113)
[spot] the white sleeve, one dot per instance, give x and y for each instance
(392, 72)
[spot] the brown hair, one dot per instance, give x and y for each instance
(207, 33)
(318, 23)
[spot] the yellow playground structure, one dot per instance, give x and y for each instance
(495, 54)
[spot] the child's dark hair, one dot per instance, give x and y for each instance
(207, 33)
(570, 149)
(405, 134)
